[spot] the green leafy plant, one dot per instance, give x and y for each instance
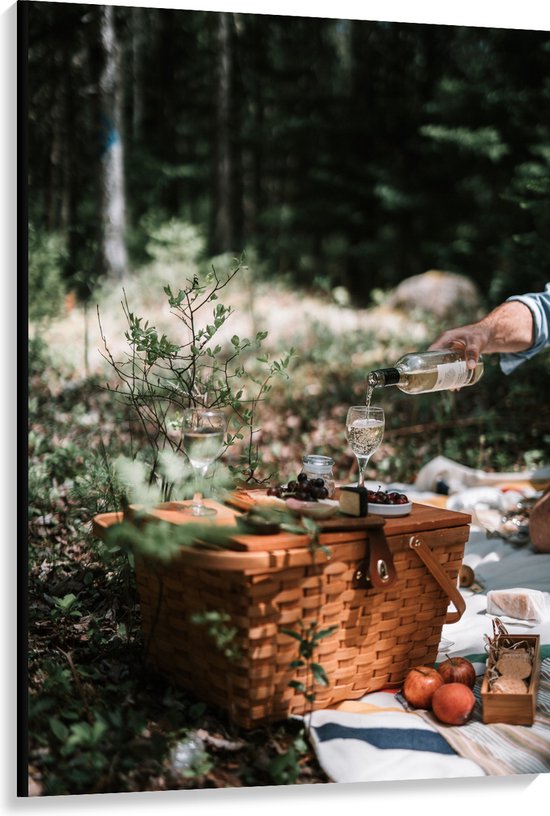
(284, 768)
(67, 605)
(308, 637)
(281, 761)
(160, 378)
(217, 628)
(47, 256)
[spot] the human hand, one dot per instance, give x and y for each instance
(469, 340)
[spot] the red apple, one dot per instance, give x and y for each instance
(420, 685)
(453, 703)
(458, 670)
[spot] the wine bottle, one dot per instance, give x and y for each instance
(422, 372)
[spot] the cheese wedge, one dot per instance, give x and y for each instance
(353, 501)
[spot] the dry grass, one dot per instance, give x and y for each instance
(291, 318)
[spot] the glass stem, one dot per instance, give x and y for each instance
(362, 462)
(199, 474)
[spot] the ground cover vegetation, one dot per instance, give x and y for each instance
(289, 172)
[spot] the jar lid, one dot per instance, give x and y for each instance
(315, 462)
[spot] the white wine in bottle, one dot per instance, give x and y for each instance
(424, 371)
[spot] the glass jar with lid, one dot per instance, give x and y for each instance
(316, 466)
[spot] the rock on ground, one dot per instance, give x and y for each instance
(445, 295)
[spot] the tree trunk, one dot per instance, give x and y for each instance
(223, 218)
(138, 24)
(252, 148)
(114, 203)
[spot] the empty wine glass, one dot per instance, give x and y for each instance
(364, 432)
(203, 431)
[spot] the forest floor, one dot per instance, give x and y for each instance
(100, 719)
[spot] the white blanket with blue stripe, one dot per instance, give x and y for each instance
(377, 740)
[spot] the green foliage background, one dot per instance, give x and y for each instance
(360, 152)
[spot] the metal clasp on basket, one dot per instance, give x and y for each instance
(361, 576)
(383, 570)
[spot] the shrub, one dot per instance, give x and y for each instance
(47, 255)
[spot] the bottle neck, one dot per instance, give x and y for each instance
(383, 377)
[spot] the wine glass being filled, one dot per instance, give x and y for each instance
(364, 432)
(203, 432)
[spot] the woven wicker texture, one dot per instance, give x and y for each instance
(380, 634)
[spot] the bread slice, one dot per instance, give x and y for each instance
(518, 602)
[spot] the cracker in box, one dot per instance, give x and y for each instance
(509, 688)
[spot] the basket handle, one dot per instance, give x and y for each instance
(433, 565)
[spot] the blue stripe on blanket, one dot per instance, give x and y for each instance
(412, 739)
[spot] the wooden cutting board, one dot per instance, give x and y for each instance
(338, 529)
(171, 512)
(422, 516)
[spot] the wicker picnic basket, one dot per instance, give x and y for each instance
(385, 623)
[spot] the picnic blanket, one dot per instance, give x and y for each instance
(380, 738)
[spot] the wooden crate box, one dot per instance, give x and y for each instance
(516, 709)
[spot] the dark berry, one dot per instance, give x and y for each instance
(302, 477)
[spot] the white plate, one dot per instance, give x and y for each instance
(322, 509)
(392, 510)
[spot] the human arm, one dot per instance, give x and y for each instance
(508, 328)
(517, 329)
